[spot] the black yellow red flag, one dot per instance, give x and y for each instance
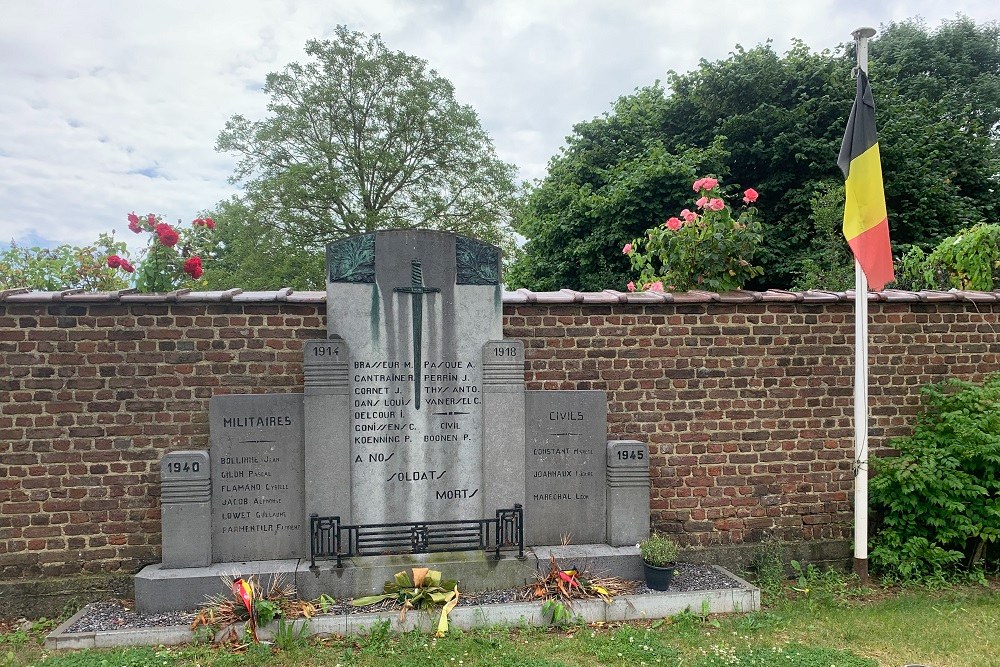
(866, 224)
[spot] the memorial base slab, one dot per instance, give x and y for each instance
(161, 590)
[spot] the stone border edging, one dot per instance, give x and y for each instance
(622, 608)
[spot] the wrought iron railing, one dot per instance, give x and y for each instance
(331, 539)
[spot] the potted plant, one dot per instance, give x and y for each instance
(659, 555)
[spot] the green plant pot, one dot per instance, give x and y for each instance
(658, 578)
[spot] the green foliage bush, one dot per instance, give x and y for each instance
(774, 121)
(828, 263)
(711, 249)
(63, 267)
(969, 260)
(658, 550)
(938, 501)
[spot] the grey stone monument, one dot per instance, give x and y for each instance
(326, 410)
(186, 509)
(628, 489)
(257, 479)
(414, 410)
(565, 466)
(414, 309)
(503, 423)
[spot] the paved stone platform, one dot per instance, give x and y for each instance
(160, 590)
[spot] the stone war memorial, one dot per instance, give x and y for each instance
(414, 441)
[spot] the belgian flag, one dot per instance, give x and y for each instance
(866, 224)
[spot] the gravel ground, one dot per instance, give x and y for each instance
(118, 615)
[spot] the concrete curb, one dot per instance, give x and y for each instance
(622, 608)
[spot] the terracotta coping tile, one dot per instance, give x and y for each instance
(739, 296)
(650, 297)
(937, 295)
(156, 297)
(97, 297)
(306, 296)
(781, 296)
(514, 297)
(520, 296)
(44, 297)
(900, 296)
(820, 296)
(211, 297)
(598, 297)
(554, 297)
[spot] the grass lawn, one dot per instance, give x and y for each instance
(831, 625)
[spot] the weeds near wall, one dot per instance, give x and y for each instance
(767, 565)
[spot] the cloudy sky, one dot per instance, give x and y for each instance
(111, 106)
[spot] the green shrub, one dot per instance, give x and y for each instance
(970, 260)
(939, 500)
(658, 550)
(828, 262)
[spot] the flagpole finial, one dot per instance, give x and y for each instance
(861, 36)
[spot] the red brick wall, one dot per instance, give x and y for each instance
(747, 407)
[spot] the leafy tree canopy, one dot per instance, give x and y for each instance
(615, 179)
(775, 123)
(255, 256)
(363, 138)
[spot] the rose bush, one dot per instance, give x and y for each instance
(711, 250)
(172, 256)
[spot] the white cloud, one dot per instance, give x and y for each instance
(109, 106)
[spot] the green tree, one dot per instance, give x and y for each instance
(614, 180)
(63, 267)
(938, 103)
(363, 138)
(778, 121)
(781, 119)
(254, 256)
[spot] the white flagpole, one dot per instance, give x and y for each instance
(861, 37)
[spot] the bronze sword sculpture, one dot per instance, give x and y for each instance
(417, 291)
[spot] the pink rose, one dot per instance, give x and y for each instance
(716, 204)
(697, 185)
(749, 195)
(655, 287)
(701, 202)
(674, 224)
(627, 250)
(631, 286)
(689, 216)
(709, 183)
